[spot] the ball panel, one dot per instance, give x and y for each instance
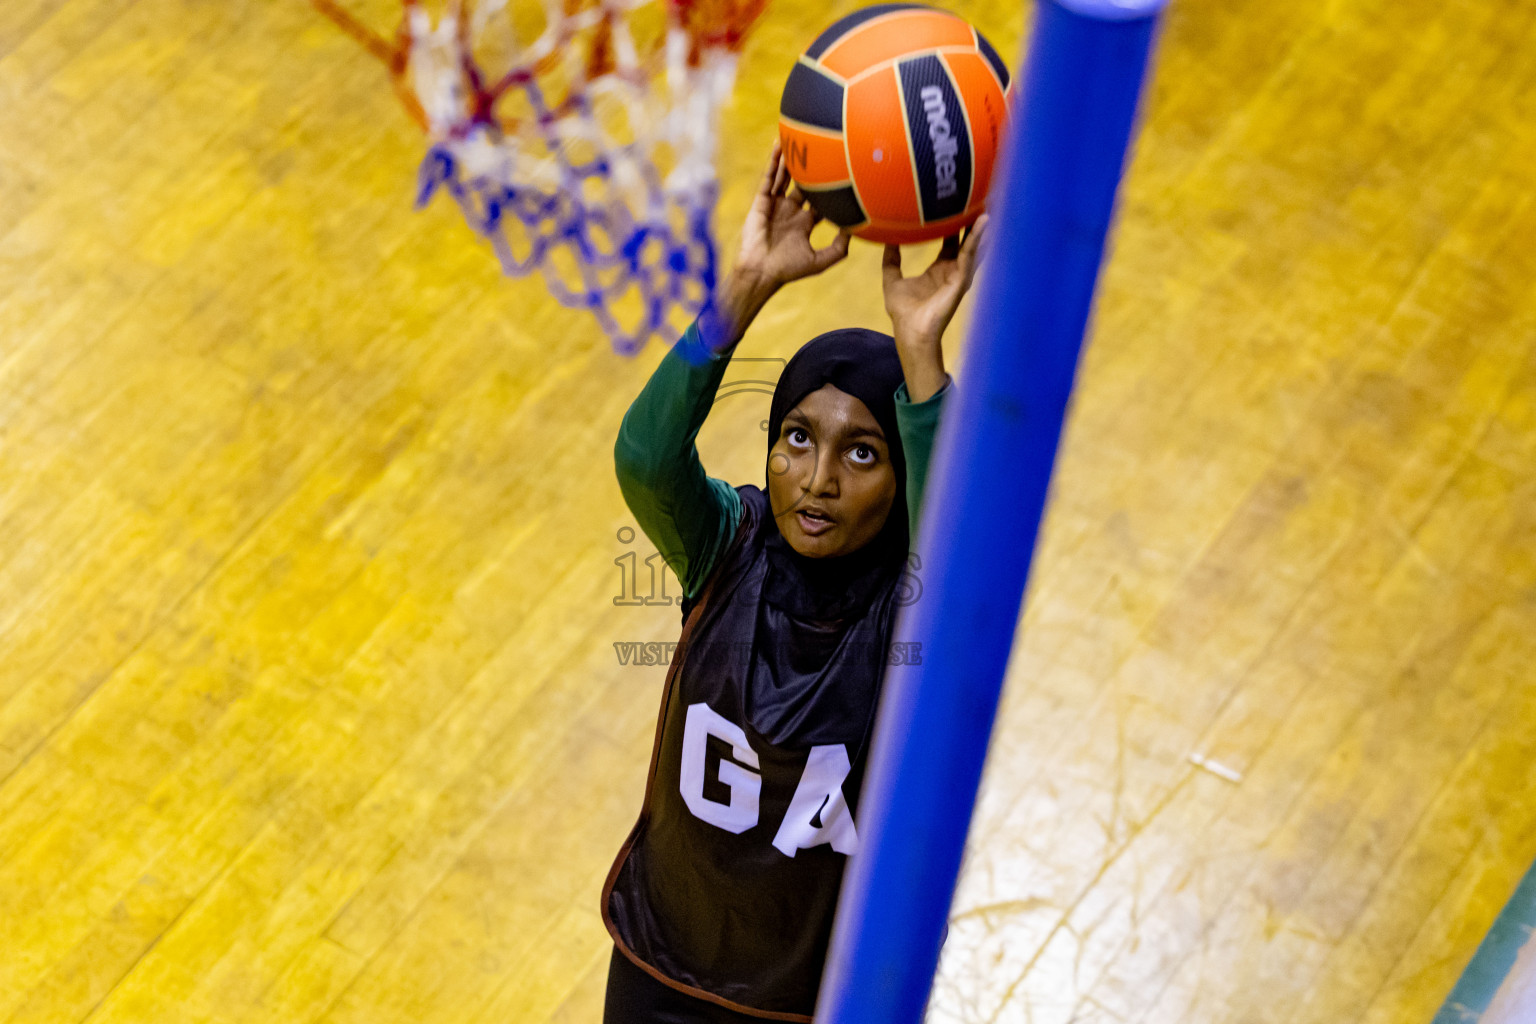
(941, 140)
(986, 112)
(897, 33)
(842, 25)
(994, 61)
(878, 155)
(816, 158)
(907, 233)
(839, 205)
(812, 98)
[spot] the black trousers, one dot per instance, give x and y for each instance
(635, 997)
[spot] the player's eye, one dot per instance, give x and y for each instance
(864, 455)
(798, 438)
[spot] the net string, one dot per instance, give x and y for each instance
(612, 228)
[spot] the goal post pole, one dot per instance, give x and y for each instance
(1063, 159)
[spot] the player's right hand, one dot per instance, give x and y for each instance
(776, 238)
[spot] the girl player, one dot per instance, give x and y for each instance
(720, 903)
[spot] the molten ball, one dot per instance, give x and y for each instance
(891, 120)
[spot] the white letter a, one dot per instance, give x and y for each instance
(818, 813)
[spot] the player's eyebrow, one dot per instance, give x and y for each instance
(856, 433)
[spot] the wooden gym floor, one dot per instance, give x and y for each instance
(310, 708)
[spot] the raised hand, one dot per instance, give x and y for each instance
(776, 239)
(775, 250)
(921, 307)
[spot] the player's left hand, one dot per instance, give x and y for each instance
(921, 306)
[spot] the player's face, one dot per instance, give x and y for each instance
(830, 478)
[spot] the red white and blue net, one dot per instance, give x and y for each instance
(578, 138)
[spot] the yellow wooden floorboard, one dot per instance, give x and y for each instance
(309, 709)
(1114, 745)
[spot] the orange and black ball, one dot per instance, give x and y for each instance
(891, 121)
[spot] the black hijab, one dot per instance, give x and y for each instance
(861, 363)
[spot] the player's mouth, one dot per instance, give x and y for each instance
(814, 521)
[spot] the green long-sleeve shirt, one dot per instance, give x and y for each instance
(689, 516)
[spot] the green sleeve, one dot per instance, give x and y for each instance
(918, 422)
(688, 516)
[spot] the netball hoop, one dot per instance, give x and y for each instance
(578, 138)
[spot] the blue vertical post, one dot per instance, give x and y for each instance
(1064, 155)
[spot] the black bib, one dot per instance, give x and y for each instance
(728, 882)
